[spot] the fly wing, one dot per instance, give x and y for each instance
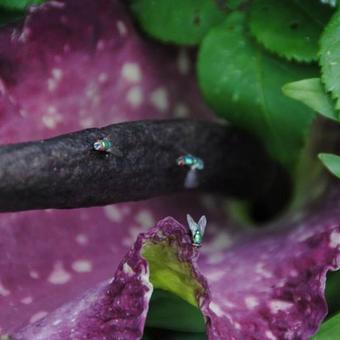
(202, 224)
(115, 151)
(191, 180)
(192, 224)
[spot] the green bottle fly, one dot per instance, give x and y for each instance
(197, 230)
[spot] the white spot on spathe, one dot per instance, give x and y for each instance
(50, 121)
(56, 4)
(51, 110)
(59, 275)
(131, 72)
(133, 234)
(52, 84)
(159, 98)
(3, 290)
(181, 111)
(201, 300)
(251, 302)
(279, 305)
(86, 122)
(127, 269)
(293, 273)
(215, 275)
(183, 62)
(82, 239)
(82, 266)
(259, 269)
(281, 283)
(270, 335)
(113, 213)
(27, 300)
(93, 93)
(135, 96)
(100, 45)
(57, 73)
(121, 27)
(215, 258)
(37, 316)
(23, 113)
(145, 219)
(33, 274)
(237, 325)
(335, 239)
(216, 309)
(103, 77)
(221, 242)
(145, 279)
(52, 118)
(26, 32)
(54, 80)
(15, 34)
(57, 322)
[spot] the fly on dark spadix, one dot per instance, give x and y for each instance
(194, 164)
(105, 145)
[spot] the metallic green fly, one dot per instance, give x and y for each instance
(197, 230)
(105, 145)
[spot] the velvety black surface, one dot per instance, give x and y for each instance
(66, 172)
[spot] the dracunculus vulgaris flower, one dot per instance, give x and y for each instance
(90, 273)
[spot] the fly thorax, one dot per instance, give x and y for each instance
(197, 239)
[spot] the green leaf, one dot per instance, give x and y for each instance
(175, 285)
(233, 4)
(156, 334)
(311, 93)
(7, 17)
(146, 337)
(185, 336)
(330, 58)
(168, 311)
(329, 330)
(177, 21)
(289, 28)
(331, 162)
(168, 273)
(18, 4)
(242, 83)
(333, 292)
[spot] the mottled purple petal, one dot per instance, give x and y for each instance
(270, 284)
(82, 63)
(117, 310)
(72, 65)
(48, 258)
(267, 285)
(76, 64)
